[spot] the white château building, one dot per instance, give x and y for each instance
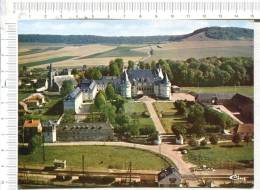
(131, 84)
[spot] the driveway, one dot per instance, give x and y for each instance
(167, 150)
(149, 104)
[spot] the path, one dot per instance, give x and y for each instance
(167, 150)
(225, 110)
(149, 104)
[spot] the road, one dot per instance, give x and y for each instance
(168, 150)
(149, 104)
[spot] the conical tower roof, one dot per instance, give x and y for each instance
(165, 79)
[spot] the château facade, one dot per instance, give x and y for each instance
(131, 84)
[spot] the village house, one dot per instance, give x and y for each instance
(31, 128)
(169, 177)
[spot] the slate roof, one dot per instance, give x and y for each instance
(61, 78)
(145, 75)
(209, 96)
(166, 172)
(242, 99)
(73, 94)
(87, 85)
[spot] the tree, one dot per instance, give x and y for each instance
(110, 112)
(147, 130)
(180, 106)
(196, 112)
(198, 127)
(203, 143)
(110, 92)
(66, 88)
(96, 74)
(179, 129)
(192, 142)
(100, 100)
(153, 137)
(114, 69)
(118, 102)
(236, 139)
(35, 142)
(247, 139)
(131, 64)
(213, 140)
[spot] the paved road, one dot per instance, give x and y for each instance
(167, 150)
(149, 104)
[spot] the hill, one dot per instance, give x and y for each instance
(216, 33)
(210, 33)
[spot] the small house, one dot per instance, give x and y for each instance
(169, 177)
(179, 139)
(31, 128)
(59, 164)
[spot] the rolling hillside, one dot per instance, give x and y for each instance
(210, 33)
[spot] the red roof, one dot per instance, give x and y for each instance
(32, 123)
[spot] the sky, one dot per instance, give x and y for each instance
(123, 27)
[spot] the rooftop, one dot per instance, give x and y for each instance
(166, 172)
(31, 123)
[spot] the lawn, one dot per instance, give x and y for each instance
(223, 155)
(246, 90)
(96, 157)
(172, 118)
(47, 61)
(134, 107)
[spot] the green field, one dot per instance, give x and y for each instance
(96, 157)
(38, 50)
(246, 90)
(47, 61)
(117, 52)
(223, 155)
(173, 118)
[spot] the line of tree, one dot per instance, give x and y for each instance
(210, 71)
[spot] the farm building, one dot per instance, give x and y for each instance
(245, 130)
(97, 131)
